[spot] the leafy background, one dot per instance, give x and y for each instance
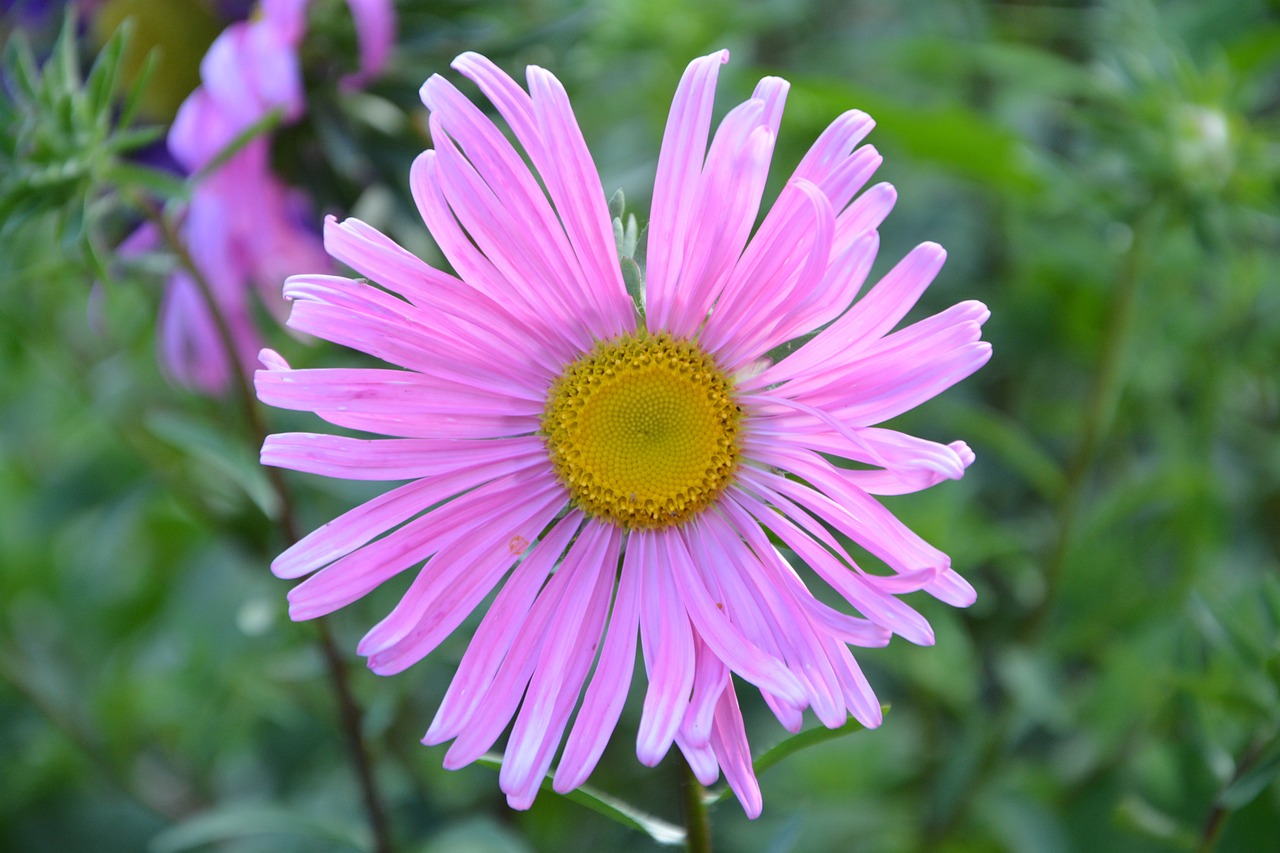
(1104, 175)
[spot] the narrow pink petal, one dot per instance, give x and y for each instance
(375, 35)
(903, 389)
(398, 403)
(952, 589)
(471, 266)
(609, 686)
(374, 391)
(365, 318)
(513, 103)
(803, 650)
(666, 639)
(834, 144)
(454, 582)
(729, 740)
(497, 631)
(522, 258)
(392, 458)
(574, 185)
(701, 757)
(872, 603)
(871, 316)
(785, 260)
(505, 691)
(496, 161)
(474, 544)
(856, 514)
(363, 570)
(722, 544)
(684, 146)
(859, 697)
(861, 365)
(865, 214)
(709, 677)
(563, 664)
(722, 637)
(824, 618)
(727, 198)
(547, 321)
(352, 529)
(377, 257)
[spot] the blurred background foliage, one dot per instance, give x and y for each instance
(1105, 175)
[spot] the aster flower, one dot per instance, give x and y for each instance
(250, 71)
(618, 477)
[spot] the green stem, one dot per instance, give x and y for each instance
(697, 823)
(349, 711)
(1099, 407)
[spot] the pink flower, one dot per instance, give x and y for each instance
(618, 476)
(244, 228)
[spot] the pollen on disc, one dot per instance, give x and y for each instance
(643, 430)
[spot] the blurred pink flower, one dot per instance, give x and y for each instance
(244, 228)
(629, 476)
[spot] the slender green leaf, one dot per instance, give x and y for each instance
(261, 127)
(222, 453)
(1254, 781)
(792, 745)
(661, 832)
(164, 184)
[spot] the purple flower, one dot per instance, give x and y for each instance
(245, 230)
(619, 477)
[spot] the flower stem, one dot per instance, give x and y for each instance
(1099, 406)
(697, 824)
(349, 711)
(1217, 818)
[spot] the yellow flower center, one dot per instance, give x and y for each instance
(643, 430)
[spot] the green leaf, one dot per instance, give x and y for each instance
(212, 446)
(806, 739)
(634, 282)
(100, 85)
(137, 90)
(1253, 782)
(164, 184)
(661, 832)
(262, 126)
(792, 745)
(244, 821)
(617, 205)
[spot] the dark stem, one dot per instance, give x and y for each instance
(697, 825)
(349, 711)
(1217, 819)
(350, 714)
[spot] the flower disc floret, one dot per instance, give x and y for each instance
(643, 430)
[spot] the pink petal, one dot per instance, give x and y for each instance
(684, 145)
(609, 686)
(729, 740)
(718, 632)
(455, 580)
(375, 33)
(562, 665)
(497, 631)
(666, 639)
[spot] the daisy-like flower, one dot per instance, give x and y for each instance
(251, 70)
(620, 477)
